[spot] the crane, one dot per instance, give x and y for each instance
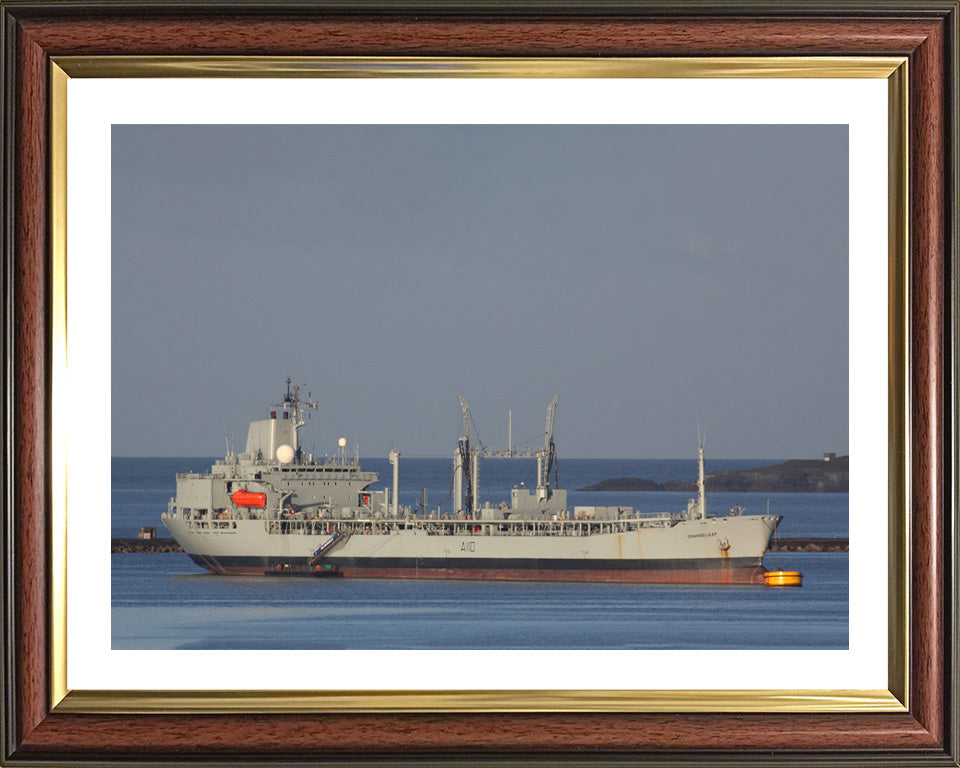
(462, 459)
(547, 458)
(466, 461)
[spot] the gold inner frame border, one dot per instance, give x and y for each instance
(894, 699)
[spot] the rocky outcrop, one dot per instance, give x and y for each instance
(625, 484)
(795, 476)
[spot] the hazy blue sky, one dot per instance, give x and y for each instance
(647, 274)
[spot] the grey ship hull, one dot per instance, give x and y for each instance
(711, 551)
(689, 571)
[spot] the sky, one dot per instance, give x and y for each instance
(651, 276)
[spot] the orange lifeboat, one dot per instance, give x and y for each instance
(245, 498)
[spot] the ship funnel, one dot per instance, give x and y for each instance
(265, 436)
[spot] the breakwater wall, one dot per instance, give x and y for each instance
(144, 545)
(778, 545)
(809, 545)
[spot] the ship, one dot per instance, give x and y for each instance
(275, 509)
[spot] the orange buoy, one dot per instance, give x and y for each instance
(783, 579)
(245, 498)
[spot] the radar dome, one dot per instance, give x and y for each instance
(342, 442)
(285, 454)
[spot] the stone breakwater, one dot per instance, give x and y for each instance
(779, 545)
(810, 545)
(144, 545)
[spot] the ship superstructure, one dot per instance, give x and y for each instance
(273, 507)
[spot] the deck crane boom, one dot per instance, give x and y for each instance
(547, 458)
(462, 461)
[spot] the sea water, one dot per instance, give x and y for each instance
(164, 601)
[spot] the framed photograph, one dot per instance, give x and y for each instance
(175, 174)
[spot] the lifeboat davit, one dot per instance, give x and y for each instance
(245, 498)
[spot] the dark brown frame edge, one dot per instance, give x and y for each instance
(926, 32)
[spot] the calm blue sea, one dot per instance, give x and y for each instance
(163, 601)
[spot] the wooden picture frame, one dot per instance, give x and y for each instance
(36, 731)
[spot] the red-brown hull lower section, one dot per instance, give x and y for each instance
(752, 575)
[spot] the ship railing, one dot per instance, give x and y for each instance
(279, 526)
(655, 519)
(560, 528)
(340, 527)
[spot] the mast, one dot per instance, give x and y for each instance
(457, 481)
(701, 486)
(295, 408)
(394, 458)
(476, 482)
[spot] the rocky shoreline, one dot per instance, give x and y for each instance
(795, 476)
